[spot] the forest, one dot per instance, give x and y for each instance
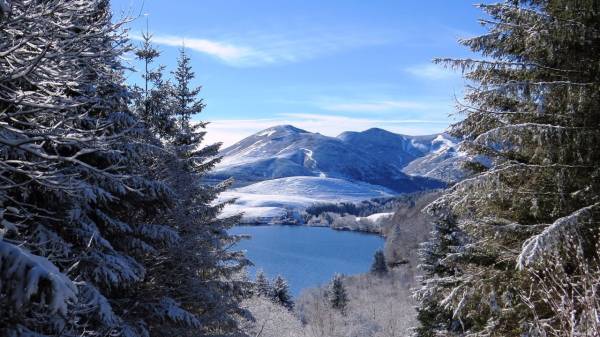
(107, 227)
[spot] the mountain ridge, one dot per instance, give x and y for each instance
(285, 151)
(282, 170)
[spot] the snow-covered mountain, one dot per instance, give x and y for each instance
(374, 156)
(443, 162)
(282, 170)
(399, 149)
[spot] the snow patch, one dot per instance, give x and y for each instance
(377, 217)
(34, 278)
(443, 143)
(266, 133)
(276, 200)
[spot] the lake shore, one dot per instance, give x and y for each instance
(307, 256)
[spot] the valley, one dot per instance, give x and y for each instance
(299, 168)
(317, 208)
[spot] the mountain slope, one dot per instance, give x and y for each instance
(283, 170)
(374, 156)
(399, 149)
(279, 200)
(443, 162)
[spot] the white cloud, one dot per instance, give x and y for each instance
(223, 51)
(431, 71)
(259, 49)
(232, 131)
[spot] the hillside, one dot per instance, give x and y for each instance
(282, 170)
(286, 151)
(443, 161)
(279, 200)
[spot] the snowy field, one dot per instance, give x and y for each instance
(271, 201)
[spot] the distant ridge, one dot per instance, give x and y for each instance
(283, 169)
(374, 156)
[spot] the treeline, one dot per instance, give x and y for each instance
(372, 216)
(106, 228)
(515, 250)
(362, 208)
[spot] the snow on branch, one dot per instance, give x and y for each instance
(27, 277)
(169, 309)
(114, 269)
(159, 233)
(551, 238)
(544, 143)
(98, 304)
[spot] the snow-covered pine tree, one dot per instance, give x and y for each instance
(262, 285)
(534, 113)
(280, 293)
(154, 101)
(433, 316)
(198, 275)
(186, 96)
(379, 267)
(338, 298)
(74, 186)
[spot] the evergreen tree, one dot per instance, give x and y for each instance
(534, 113)
(186, 97)
(446, 238)
(337, 294)
(379, 267)
(199, 272)
(106, 227)
(263, 287)
(154, 102)
(74, 187)
(147, 53)
(281, 294)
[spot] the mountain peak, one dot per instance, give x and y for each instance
(280, 130)
(288, 127)
(371, 134)
(375, 156)
(376, 130)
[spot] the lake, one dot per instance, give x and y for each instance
(307, 256)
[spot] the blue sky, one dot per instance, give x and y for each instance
(324, 66)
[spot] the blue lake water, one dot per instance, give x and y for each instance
(307, 256)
